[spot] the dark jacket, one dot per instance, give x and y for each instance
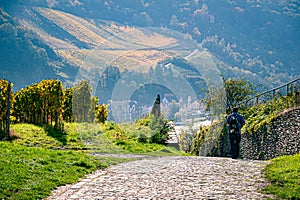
(239, 117)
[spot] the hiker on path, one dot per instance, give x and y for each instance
(234, 124)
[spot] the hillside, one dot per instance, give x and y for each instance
(75, 39)
(118, 42)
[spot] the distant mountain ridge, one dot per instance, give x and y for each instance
(258, 40)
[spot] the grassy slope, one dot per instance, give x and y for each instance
(284, 174)
(126, 137)
(109, 138)
(31, 168)
(31, 172)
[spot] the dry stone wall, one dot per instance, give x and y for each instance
(282, 137)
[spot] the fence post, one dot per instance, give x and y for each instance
(8, 110)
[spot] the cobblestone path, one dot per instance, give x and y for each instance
(171, 178)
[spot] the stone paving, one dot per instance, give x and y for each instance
(172, 178)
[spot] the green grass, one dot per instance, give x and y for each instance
(100, 138)
(39, 158)
(31, 172)
(135, 130)
(92, 136)
(126, 136)
(75, 136)
(284, 175)
(46, 137)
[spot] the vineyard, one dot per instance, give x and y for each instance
(48, 103)
(5, 92)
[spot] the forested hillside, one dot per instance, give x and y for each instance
(257, 40)
(25, 58)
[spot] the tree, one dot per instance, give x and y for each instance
(84, 106)
(67, 105)
(82, 102)
(237, 91)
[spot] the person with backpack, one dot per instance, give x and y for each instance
(234, 123)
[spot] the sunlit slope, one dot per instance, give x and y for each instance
(81, 29)
(93, 44)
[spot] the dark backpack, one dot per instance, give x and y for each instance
(233, 122)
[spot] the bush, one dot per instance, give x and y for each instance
(156, 138)
(261, 114)
(162, 133)
(101, 113)
(186, 140)
(144, 121)
(142, 138)
(121, 142)
(198, 140)
(111, 126)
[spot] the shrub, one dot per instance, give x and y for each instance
(142, 138)
(198, 140)
(186, 140)
(121, 142)
(259, 115)
(111, 126)
(101, 113)
(146, 121)
(162, 133)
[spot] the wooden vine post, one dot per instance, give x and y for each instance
(8, 110)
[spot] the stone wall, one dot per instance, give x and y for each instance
(282, 137)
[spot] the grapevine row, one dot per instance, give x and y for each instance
(4, 105)
(39, 103)
(47, 102)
